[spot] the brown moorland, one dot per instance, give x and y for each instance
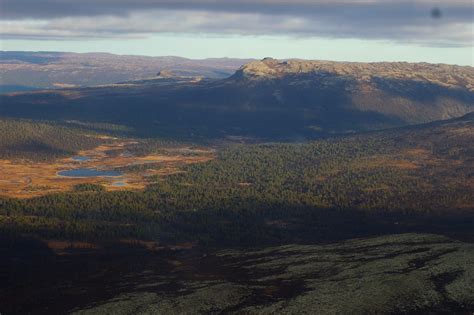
(26, 178)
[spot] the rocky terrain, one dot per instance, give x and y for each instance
(441, 74)
(394, 274)
(387, 275)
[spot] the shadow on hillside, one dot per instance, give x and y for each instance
(37, 279)
(421, 91)
(277, 109)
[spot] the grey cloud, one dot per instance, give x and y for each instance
(40, 9)
(400, 20)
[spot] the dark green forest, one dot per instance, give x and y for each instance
(275, 193)
(42, 140)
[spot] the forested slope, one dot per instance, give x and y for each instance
(409, 179)
(41, 140)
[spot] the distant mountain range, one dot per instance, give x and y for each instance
(21, 71)
(267, 99)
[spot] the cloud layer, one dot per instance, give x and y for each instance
(426, 22)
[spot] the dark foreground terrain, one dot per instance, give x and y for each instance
(393, 274)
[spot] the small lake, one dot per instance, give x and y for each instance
(81, 158)
(89, 172)
(119, 184)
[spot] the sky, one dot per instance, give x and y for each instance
(350, 30)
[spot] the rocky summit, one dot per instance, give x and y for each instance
(448, 76)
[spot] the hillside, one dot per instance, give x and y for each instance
(33, 70)
(393, 274)
(416, 179)
(268, 99)
(398, 93)
(42, 141)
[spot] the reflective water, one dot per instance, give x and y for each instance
(89, 172)
(119, 184)
(81, 158)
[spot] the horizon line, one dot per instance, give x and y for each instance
(228, 57)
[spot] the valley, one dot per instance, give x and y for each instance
(347, 186)
(236, 157)
(289, 187)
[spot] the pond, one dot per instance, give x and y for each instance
(81, 158)
(119, 184)
(89, 172)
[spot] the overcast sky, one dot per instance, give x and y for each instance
(361, 30)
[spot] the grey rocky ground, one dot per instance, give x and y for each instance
(408, 273)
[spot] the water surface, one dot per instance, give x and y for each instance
(81, 158)
(89, 172)
(119, 184)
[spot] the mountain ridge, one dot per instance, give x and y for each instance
(270, 99)
(447, 75)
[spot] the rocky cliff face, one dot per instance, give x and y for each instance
(448, 76)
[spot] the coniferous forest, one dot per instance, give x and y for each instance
(272, 193)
